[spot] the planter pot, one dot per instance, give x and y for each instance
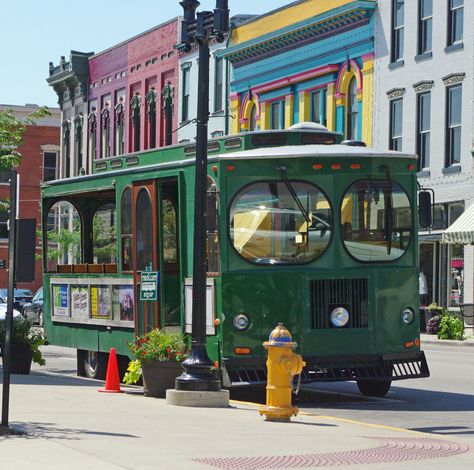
(20, 358)
(159, 376)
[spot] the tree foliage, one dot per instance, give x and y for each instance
(12, 131)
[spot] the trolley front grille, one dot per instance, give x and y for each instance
(327, 294)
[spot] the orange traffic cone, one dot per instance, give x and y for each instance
(112, 380)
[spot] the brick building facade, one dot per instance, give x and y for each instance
(40, 156)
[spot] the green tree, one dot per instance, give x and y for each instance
(12, 131)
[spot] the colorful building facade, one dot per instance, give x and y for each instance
(308, 61)
(117, 101)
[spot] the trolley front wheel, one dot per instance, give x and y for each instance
(374, 388)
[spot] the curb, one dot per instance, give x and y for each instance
(450, 343)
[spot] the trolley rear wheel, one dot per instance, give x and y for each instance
(374, 388)
(92, 364)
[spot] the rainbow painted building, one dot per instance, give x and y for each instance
(308, 61)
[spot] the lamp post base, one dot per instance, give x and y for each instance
(218, 399)
(199, 373)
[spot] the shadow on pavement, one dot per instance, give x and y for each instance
(34, 430)
(47, 379)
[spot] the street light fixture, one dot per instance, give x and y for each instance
(200, 28)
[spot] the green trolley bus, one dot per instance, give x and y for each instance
(302, 229)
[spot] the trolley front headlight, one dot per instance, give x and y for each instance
(241, 322)
(339, 317)
(408, 315)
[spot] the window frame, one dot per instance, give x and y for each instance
(218, 84)
(280, 104)
(397, 34)
(55, 168)
(423, 162)
(425, 27)
(450, 128)
(352, 111)
(453, 12)
(186, 85)
(394, 138)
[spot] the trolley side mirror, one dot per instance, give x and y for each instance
(425, 208)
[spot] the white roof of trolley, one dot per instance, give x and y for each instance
(298, 151)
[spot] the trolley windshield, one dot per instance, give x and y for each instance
(272, 224)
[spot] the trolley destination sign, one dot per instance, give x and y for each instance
(149, 282)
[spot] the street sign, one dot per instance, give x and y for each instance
(149, 285)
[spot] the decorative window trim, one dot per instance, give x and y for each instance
(423, 86)
(453, 78)
(395, 93)
(186, 65)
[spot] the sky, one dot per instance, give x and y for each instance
(36, 32)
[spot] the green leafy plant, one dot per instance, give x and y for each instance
(156, 345)
(24, 333)
(450, 327)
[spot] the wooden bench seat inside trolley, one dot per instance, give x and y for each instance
(100, 268)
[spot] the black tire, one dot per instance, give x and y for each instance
(92, 364)
(374, 388)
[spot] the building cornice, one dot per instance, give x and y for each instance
(335, 21)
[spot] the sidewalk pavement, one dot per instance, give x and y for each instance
(433, 340)
(68, 424)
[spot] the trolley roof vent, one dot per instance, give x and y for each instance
(354, 143)
(313, 126)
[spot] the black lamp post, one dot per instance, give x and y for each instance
(199, 373)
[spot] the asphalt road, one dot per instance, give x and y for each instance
(441, 404)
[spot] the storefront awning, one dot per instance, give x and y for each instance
(462, 230)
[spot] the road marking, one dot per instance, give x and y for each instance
(335, 418)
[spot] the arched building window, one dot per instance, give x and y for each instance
(135, 104)
(66, 127)
(105, 134)
(352, 111)
(92, 134)
(78, 128)
(120, 127)
(150, 98)
(253, 118)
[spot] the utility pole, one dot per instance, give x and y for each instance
(199, 372)
(6, 352)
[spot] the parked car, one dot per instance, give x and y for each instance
(34, 310)
(3, 312)
(20, 297)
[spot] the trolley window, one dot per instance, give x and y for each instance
(63, 235)
(104, 245)
(376, 218)
(280, 222)
(126, 229)
(144, 242)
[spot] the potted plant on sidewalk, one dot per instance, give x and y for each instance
(158, 356)
(24, 343)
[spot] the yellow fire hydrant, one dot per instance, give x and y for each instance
(282, 365)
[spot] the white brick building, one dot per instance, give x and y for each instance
(424, 104)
